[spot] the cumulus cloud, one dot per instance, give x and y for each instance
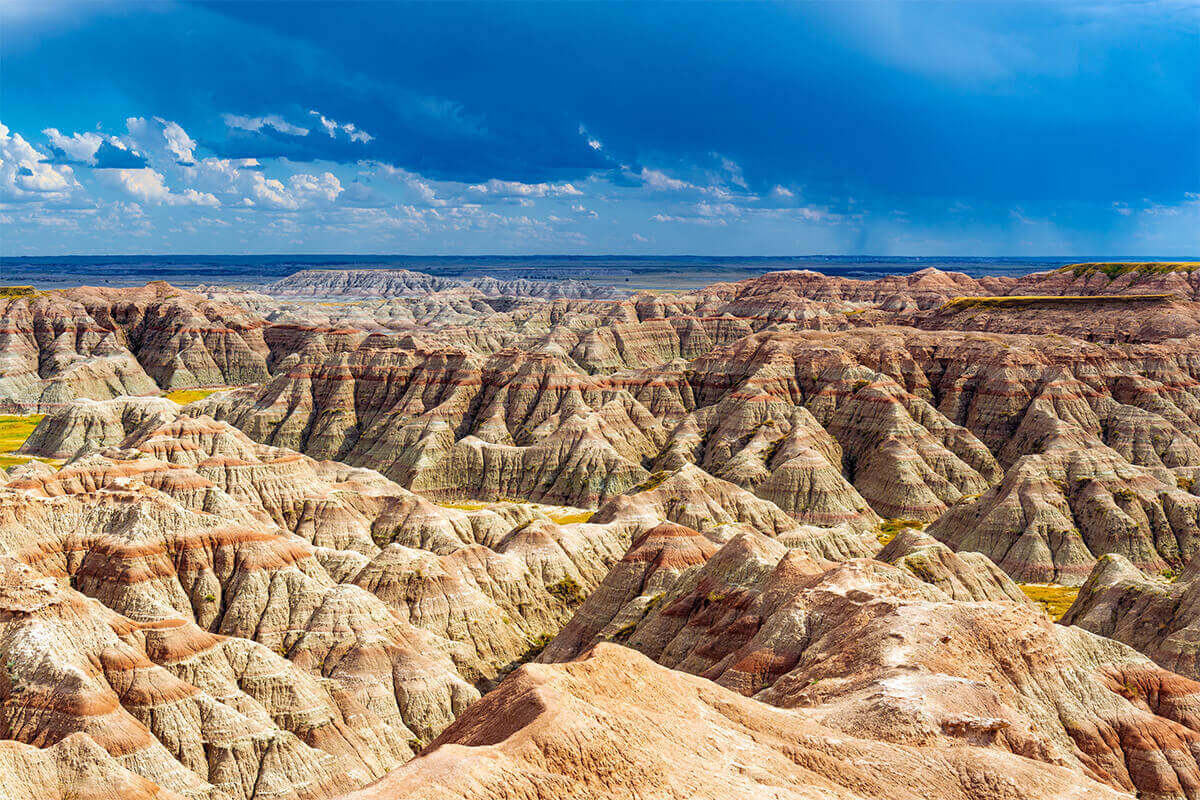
(25, 175)
(80, 147)
(193, 198)
(146, 184)
(499, 188)
(179, 144)
(272, 193)
(256, 124)
(422, 191)
(333, 127)
(149, 186)
(324, 187)
(301, 190)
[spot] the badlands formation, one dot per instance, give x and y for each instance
(377, 534)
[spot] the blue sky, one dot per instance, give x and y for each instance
(891, 128)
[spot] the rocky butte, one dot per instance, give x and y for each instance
(379, 534)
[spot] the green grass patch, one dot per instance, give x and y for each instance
(466, 505)
(185, 396)
(653, 482)
(568, 519)
(1054, 599)
(890, 527)
(1047, 300)
(15, 429)
(1115, 269)
(566, 590)
(13, 292)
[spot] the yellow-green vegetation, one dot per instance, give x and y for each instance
(567, 590)
(14, 430)
(1116, 269)
(1038, 300)
(890, 527)
(185, 396)
(567, 519)
(18, 291)
(536, 645)
(466, 505)
(1055, 599)
(652, 482)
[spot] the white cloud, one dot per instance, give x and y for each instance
(698, 220)
(24, 175)
(422, 190)
(272, 193)
(80, 147)
(149, 186)
(657, 179)
(332, 127)
(179, 144)
(782, 193)
(146, 184)
(592, 141)
(301, 190)
(637, 237)
(499, 188)
(734, 171)
(194, 198)
(256, 124)
(313, 187)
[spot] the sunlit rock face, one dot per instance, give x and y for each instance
(551, 540)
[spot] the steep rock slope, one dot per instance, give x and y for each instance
(103, 343)
(615, 725)
(873, 651)
(1158, 617)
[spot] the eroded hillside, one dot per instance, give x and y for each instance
(813, 505)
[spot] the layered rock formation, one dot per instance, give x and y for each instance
(614, 724)
(1157, 615)
(103, 343)
(882, 653)
(291, 587)
(407, 283)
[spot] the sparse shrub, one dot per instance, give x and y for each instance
(566, 590)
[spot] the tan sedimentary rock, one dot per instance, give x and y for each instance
(84, 424)
(1160, 618)
(1054, 513)
(964, 575)
(75, 768)
(103, 343)
(877, 653)
(615, 725)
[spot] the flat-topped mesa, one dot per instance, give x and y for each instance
(1118, 277)
(879, 651)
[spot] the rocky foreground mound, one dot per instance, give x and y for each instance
(940, 651)
(614, 724)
